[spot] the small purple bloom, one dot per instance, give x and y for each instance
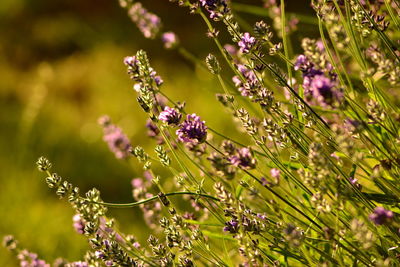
(170, 40)
(323, 90)
(243, 158)
(79, 224)
(29, 259)
(231, 49)
(216, 8)
(117, 141)
(157, 79)
(232, 226)
(170, 116)
(302, 63)
(99, 254)
(246, 43)
(317, 85)
(130, 61)
(251, 80)
(193, 130)
(381, 216)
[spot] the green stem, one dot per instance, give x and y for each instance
(137, 203)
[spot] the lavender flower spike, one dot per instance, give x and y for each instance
(243, 158)
(192, 130)
(246, 43)
(117, 141)
(148, 23)
(381, 216)
(217, 8)
(324, 92)
(232, 226)
(170, 116)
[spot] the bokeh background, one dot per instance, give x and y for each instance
(60, 69)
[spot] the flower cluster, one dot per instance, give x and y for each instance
(217, 8)
(148, 23)
(137, 74)
(381, 216)
(246, 43)
(243, 157)
(251, 83)
(170, 116)
(319, 82)
(117, 141)
(192, 130)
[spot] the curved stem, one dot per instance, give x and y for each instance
(137, 203)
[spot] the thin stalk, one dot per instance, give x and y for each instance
(144, 201)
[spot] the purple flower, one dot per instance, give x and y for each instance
(131, 61)
(153, 131)
(192, 130)
(99, 254)
(302, 63)
(246, 43)
(243, 158)
(29, 259)
(232, 226)
(251, 80)
(170, 40)
(216, 8)
(148, 23)
(157, 79)
(79, 224)
(170, 116)
(324, 91)
(117, 141)
(317, 86)
(381, 216)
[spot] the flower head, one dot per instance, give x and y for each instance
(318, 86)
(29, 259)
(324, 91)
(79, 224)
(117, 141)
(216, 8)
(243, 158)
(246, 43)
(193, 130)
(148, 23)
(381, 216)
(170, 116)
(231, 226)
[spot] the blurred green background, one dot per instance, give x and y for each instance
(60, 69)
